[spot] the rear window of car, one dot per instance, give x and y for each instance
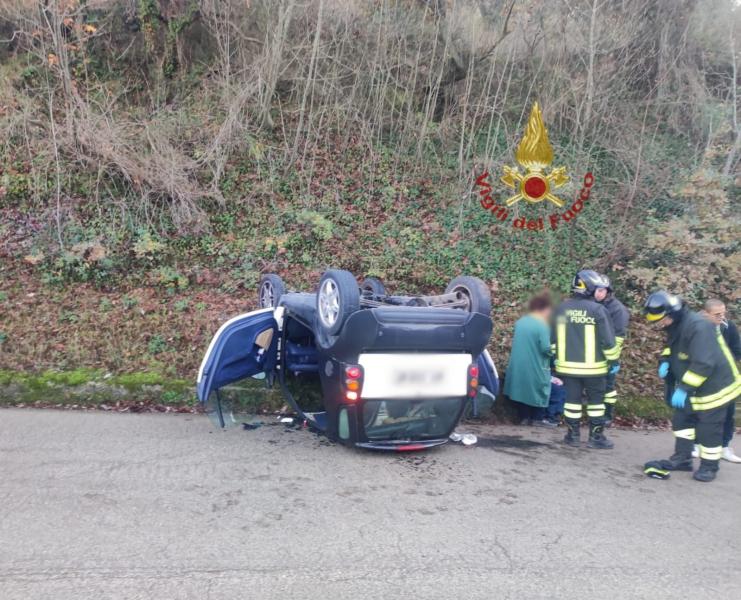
(401, 419)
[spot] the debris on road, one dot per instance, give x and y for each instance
(467, 439)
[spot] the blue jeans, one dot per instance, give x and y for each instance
(555, 402)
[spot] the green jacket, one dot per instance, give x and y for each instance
(528, 378)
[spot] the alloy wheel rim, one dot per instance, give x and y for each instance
(329, 303)
(266, 295)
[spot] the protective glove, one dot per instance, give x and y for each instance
(679, 397)
(614, 369)
(663, 369)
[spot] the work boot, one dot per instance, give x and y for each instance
(707, 471)
(573, 434)
(676, 462)
(597, 439)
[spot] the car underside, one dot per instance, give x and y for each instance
(364, 367)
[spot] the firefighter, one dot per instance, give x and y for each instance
(585, 349)
(619, 317)
(705, 379)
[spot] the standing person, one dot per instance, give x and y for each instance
(585, 350)
(619, 317)
(706, 380)
(528, 378)
(715, 310)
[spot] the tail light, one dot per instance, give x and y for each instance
(353, 382)
(473, 380)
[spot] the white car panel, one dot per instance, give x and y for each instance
(418, 375)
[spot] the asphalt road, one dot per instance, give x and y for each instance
(100, 505)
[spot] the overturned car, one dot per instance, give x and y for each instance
(367, 368)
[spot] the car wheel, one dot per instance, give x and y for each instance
(473, 292)
(337, 298)
(270, 291)
(373, 285)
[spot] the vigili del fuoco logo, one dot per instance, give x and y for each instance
(537, 183)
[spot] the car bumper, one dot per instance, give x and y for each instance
(401, 446)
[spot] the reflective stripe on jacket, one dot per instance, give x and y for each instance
(583, 339)
(701, 362)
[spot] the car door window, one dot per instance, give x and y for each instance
(244, 347)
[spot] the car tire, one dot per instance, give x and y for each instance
(270, 290)
(474, 291)
(337, 298)
(373, 285)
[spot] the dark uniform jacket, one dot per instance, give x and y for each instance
(619, 316)
(701, 362)
(582, 339)
(733, 341)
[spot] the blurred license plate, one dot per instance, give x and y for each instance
(414, 375)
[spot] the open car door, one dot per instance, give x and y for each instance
(243, 347)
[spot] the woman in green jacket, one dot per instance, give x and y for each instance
(528, 378)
